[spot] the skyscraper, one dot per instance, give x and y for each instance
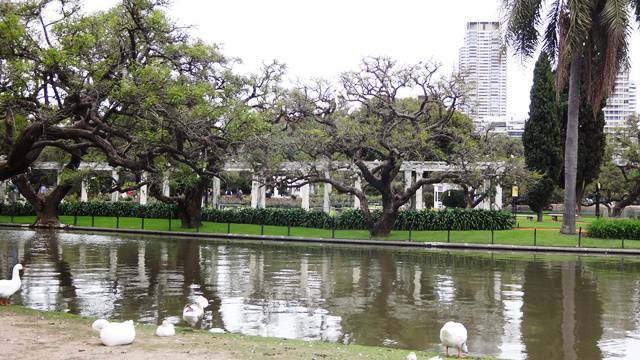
(621, 103)
(483, 63)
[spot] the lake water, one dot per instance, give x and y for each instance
(515, 306)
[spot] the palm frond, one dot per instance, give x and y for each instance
(615, 29)
(523, 18)
(580, 21)
(552, 31)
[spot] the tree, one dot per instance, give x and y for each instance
(541, 138)
(126, 86)
(221, 111)
(587, 37)
(620, 176)
(364, 126)
(591, 148)
(484, 160)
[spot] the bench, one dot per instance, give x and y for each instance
(527, 216)
(554, 217)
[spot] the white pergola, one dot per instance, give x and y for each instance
(412, 170)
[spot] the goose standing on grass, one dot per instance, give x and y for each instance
(192, 313)
(114, 333)
(166, 329)
(454, 334)
(10, 287)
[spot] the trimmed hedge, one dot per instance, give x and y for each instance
(615, 229)
(350, 219)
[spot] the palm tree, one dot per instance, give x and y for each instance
(590, 39)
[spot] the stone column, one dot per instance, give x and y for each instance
(144, 194)
(84, 196)
(115, 195)
(304, 195)
(358, 185)
(3, 191)
(419, 201)
(262, 189)
(254, 193)
(258, 194)
(58, 172)
(215, 192)
(498, 200)
(326, 199)
(408, 179)
(166, 189)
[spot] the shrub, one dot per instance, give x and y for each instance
(615, 229)
(349, 219)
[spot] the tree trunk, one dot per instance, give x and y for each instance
(189, 209)
(539, 213)
(45, 205)
(383, 227)
(571, 146)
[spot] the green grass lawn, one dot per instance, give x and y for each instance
(547, 233)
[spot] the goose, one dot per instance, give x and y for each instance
(217, 331)
(454, 334)
(114, 333)
(192, 313)
(166, 329)
(9, 287)
(412, 356)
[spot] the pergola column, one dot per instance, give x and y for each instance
(304, 195)
(498, 198)
(144, 194)
(166, 190)
(116, 194)
(258, 194)
(215, 192)
(3, 191)
(84, 196)
(326, 198)
(358, 185)
(419, 200)
(408, 179)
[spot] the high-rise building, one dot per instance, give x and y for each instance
(621, 103)
(483, 63)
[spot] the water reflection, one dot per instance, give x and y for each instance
(515, 306)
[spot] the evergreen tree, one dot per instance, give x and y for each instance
(542, 136)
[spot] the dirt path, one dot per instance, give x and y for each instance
(27, 334)
(31, 337)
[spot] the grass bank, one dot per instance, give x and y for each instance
(528, 232)
(57, 335)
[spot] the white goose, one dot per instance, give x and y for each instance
(9, 287)
(192, 313)
(114, 333)
(166, 329)
(454, 334)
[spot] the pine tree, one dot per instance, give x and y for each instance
(542, 135)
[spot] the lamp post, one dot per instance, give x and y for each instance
(514, 197)
(598, 200)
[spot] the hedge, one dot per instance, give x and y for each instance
(615, 229)
(350, 219)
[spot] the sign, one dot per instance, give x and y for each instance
(514, 191)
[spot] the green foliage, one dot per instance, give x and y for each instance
(542, 135)
(615, 229)
(591, 142)
(542, 138)
(539, 194)
(454, 199)
(454, 219)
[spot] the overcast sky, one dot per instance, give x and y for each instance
(325, 38)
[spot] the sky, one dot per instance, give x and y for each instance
(321, 39)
